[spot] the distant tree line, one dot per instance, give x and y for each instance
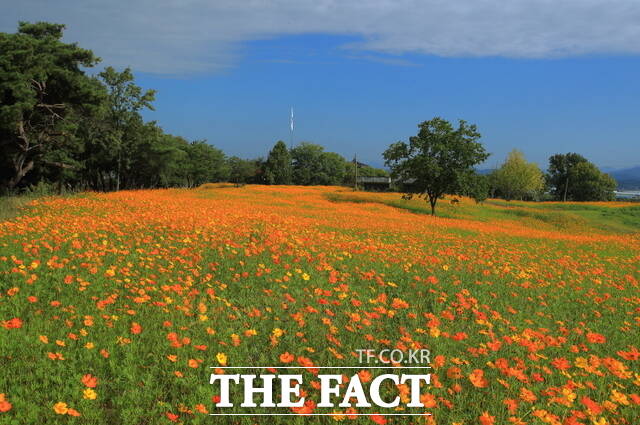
(62, 127)
(441, 159)
(570, 177)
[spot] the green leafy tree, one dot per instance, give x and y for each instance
(439, 160)
(277, 168)
(477, 187)
(156, 159)
(571, 177)
(313, 166)
(241, 171)
(43, 93)
(125, 101)
(519, 179)
(205, 164)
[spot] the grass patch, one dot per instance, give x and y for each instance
(12, 206)
(571, 217)
(416, 206)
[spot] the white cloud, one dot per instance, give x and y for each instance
(193, 36)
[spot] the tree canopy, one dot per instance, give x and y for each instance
(571, 177)
(518, 179)
(43, 95)
(313, 166)
(58, 124)
(439, 160)
(277, 168)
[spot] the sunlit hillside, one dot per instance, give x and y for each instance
(114, 305)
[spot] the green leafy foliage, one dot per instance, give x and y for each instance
(313, 166)
(518, 179)
(241, 171)
(438, 161)
(477, 187)
(277, 169)
(572, 177)
(62, 127)
(43, 94)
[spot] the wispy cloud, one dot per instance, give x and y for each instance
(195, 36)
(387, 60)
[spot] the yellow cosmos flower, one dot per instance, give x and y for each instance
(221, 358)
(60, 408)
(89, 394)
(620, 398)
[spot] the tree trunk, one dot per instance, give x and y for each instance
(21, 157)
(20, 170)
(566, 187)
(432, 202)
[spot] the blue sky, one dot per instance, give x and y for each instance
(540, 76)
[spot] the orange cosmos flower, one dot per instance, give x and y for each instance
(73, 412)
(307, 363)
(398, 303)
(477, 378)
(459, 336)
(428, 401)
(593, 407)
(561, 363)
(365, 376)
(14, 323)
(596, 338)
(487, 419)
(512, 405)
(89, 381)
(526, 395)
(308, 407)
(5, 406)
(454, 372)
(136, 328)
(379, 419)
(286, 357)
(632, 354)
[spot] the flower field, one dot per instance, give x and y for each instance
(113, 307)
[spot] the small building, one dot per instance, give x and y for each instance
(374, 183)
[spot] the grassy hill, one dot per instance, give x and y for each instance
(116, 308)
(578, 217)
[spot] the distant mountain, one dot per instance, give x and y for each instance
(627, 178)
